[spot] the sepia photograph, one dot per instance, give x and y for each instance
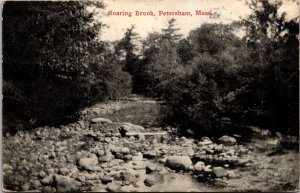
(150, 96)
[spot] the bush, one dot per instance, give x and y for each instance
(193, 101)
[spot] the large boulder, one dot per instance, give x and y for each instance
(129, 127)
(89, 162)
(101, 120)
(178, 162)
(227, 141)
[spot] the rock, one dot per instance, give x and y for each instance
(80, 177)
(242, 162)
(115, 162)
(150, 169)
(105, 158)
(149, 154)
(199, 166)
(129, 188)
(101, 120)
(232, 174)
(178, 162)
(64, 171)
(204, 141)
(190, 152)
(121, 150)
(42, 174)
(137, 157)
(49, 189)
(227, 141)
(113, 187)
(36, 184)
(47, 180)
(92, 176)
(92, 136)
(218, 148)
(162, 160)
(127, 157)
(129, 127)
(106, 179)
(207, 169)
(81, 123)
(88, 162)
(25, 186)
(149, 181)
(7, 167)
(65, 183)
(220, 172)
(128, 177)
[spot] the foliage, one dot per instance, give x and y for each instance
(271, 87)
(160, 61)
(51, 59)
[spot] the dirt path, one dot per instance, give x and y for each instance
(91, 156)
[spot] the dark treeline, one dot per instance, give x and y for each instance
(53, 66)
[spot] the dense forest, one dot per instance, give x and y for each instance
(54, 65)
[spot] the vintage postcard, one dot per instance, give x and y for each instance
(150, 96)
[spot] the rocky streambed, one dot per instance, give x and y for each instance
(93, 155)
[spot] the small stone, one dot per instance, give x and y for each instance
(80, 178)
(42, 174)
(232, 174)
(150, 169)
(220, 172)
(207, 169)
(100, 153)
(127, 157)
(113, 187)
(92, 176)
(204, 141)
(115, 162)
(149, 181)
(47, 180)
(25, 187)
(199, 166)
(66, 184)
(149, 154)
(49, 189)
(7, 167)
(64, 171)
(137, 157)
(88, 162)
(106, 179)
(105, 158)
(127, 177)
(36, 184)
(81, 123)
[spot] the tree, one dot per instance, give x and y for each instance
(49, 51)
(128, 45)
(171, 33)
(196, 96)
(273, 74)
(160, 60)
